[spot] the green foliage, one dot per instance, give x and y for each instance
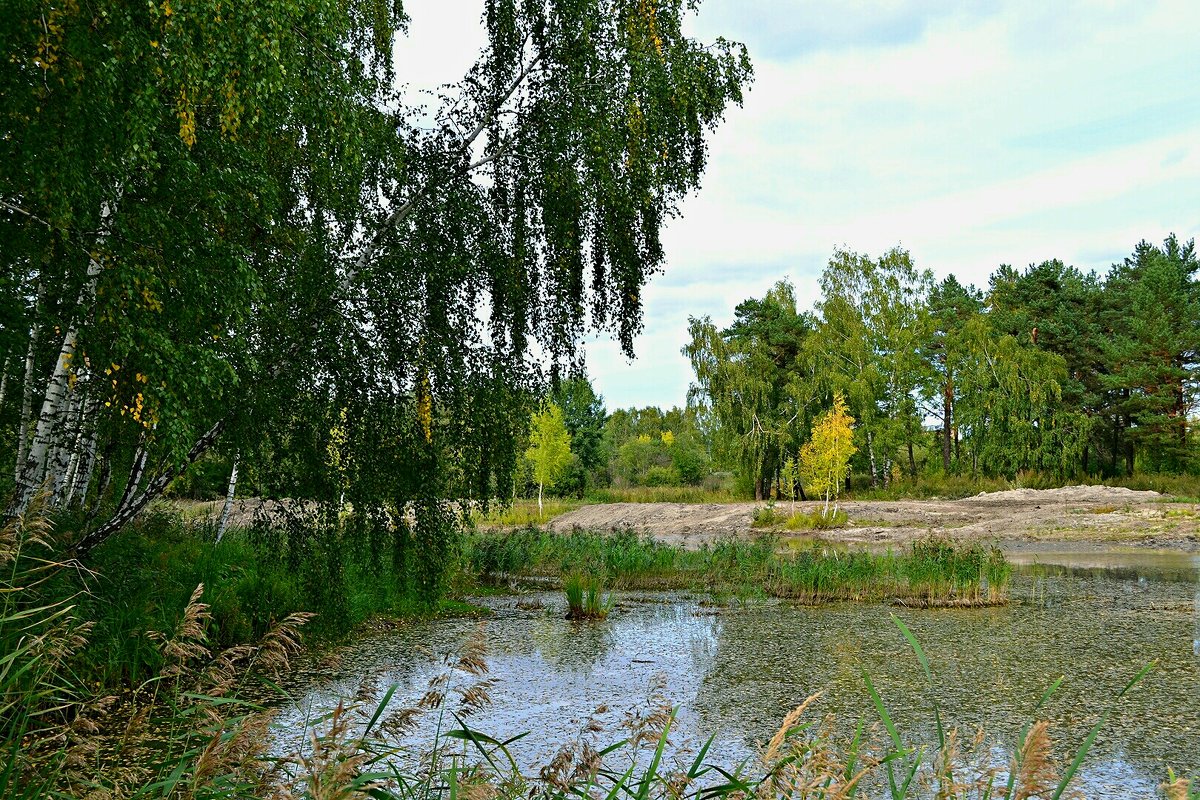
(240, 227)
(816, 520)
(1051, 371)
(650, 447)
(584, 416)
(549, 446)
(753, 378)
(766, 516)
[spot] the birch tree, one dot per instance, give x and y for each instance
(226, 222)
(549, 447)
(825, 458)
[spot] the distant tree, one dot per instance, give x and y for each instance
(1153, 348)
(825, 458)
(790, 480)
(951, 306)
(753, 379)
(1059, 309)
(549, 447)
(584, 415)
(873, 317)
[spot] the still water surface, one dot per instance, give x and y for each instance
(1094, 616)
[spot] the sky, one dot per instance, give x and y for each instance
(973, 134)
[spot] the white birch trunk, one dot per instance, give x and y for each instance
(3, 382)
(64, 455)
(228, 498)
(27, 395)
(36, 464)
(86, 462)
(539, 499)
(871, 457)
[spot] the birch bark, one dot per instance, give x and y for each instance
(36, 465)
(233, 475)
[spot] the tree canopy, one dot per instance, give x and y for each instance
(1050, 369)
(225, 227)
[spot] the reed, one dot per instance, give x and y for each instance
(931, 572)
(585, 598)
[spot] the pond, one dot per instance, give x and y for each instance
(1094, 616)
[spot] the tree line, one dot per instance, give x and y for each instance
(1049, 369)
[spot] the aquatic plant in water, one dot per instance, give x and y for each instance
(585, 599)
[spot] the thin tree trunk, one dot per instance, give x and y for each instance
(130, 506)
(64, 454)
(233, 473)
(3, 382)
(871, 457)
(912, 461)
(539, 499)
(27, 393)
(947, 424)
(87, 463)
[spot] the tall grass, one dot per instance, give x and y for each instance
(931, 572)
(523, 512)
(585, 598)
(663, 494)
(181, 732)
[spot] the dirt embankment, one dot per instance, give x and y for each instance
(1072, 513)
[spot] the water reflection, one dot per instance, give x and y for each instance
(1094, 617)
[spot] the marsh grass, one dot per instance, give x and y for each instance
(185, 733)
(931, 572)
(585, 597)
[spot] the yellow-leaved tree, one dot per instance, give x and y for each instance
(549, 447)
(825, 458)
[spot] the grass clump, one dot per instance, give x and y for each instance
(766, 516)
(585, 599)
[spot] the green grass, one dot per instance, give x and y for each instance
(185, 733)
(932, 572)
(663, 494)
(816, 520)
(523, 512)
(142, 579)
(585, 598)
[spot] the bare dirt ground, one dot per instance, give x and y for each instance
(1018, 519)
